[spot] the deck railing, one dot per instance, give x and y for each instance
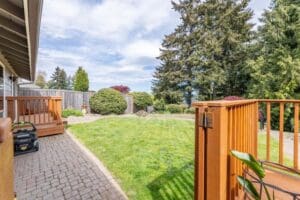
(222, 126)
(37, 109)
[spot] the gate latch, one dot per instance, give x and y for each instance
(206, 120)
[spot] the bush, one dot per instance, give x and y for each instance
(141, 100)
(175, 108)
(71, 112)
(190, 110)
(108, 101)
(159, 105)
(121, 88)
(233, 98)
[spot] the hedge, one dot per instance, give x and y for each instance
(108, 101)
(141, 100)
(176, 108)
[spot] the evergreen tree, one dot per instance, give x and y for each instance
(207, 52)
(276, 71)
(224, 34)
(41, 79)
(174, 78)
(81, 80)
(58, 79)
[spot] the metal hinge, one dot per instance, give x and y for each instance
(206, 120)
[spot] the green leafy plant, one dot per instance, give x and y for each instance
(252, 164)
(81, 80)
(141, 100)
(71, 112)
(176, 108)
(159, 105)
(108, 101)
(190, 110)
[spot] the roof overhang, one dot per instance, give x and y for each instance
(19, 35)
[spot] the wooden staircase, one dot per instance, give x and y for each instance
(43, 112)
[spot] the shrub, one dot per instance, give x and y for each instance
(175, 108)
(233, 98)
(141, 100)
(121, 88)
(108, 101)
(71, 112)
(190, 110)
(159, 105)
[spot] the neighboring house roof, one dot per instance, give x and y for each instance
(19, 35)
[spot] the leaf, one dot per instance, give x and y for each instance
(251, 162)
(248, 186)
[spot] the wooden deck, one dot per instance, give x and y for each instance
(283, 181)
(43, 112)
(222, 126)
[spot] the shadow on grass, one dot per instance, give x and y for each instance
(174, 184)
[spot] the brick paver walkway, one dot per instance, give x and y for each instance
(62, 170)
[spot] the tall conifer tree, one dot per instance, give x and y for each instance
(276, 71)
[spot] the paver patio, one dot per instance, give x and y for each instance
(61, 169)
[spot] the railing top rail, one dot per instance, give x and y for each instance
(32, 97)
(226, 103)
(279, 100)
(223, 103)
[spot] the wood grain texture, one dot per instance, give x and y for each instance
(43, 112)
(6, 161)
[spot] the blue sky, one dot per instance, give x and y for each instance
(116, 41)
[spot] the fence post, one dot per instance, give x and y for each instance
(211, 154)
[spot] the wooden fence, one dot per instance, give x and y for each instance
(222, 126)
(71, 99)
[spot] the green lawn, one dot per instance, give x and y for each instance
(274, 156)
(152, 158)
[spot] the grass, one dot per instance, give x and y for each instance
(151, 157)
(71, 112)
(274, 149)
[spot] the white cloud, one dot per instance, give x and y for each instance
(113, 39)
(110, 19)
(117, 41)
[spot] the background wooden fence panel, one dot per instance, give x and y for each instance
(70, 99)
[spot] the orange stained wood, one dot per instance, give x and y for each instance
(235, 126)
(296, 138)
(281, 127)
(6, 160)
(44, 112)
(268, 130)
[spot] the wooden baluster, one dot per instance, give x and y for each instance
(48, 110)
(268, 131)
(44, 110)
(281, 128)
(29, 109)
(23, 109)
(39, 109)
(255, 128)
(296, 130)
(231, 193)
(18, 110)
(34, 110)
(235, 140)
